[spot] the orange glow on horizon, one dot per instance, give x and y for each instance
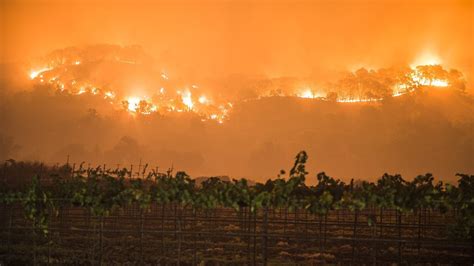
(426, 59)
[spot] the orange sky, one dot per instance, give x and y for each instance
(218, 38)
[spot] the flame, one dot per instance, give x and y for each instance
(309, 94)
(439, 83)
(419, 79)
(153, 108)
(203, 99)
(187, 100)
(306, 94)
(359, 100)
(399, 93)
(36, 73)
(109, 94)
(132, 103)
(137, 105)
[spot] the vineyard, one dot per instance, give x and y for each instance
(83, 215)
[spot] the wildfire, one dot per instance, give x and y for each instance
(418, 78)
(134, 104)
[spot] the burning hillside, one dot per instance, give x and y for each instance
(126, 78)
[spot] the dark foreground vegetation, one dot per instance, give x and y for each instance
(94, 216)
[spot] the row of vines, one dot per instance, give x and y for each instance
(105, 190)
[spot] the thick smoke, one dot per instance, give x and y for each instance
(220, 38)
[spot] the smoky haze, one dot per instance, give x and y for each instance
(236, 49)
(218, 38)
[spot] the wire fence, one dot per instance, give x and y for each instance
(176, 234)
(14, 174)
